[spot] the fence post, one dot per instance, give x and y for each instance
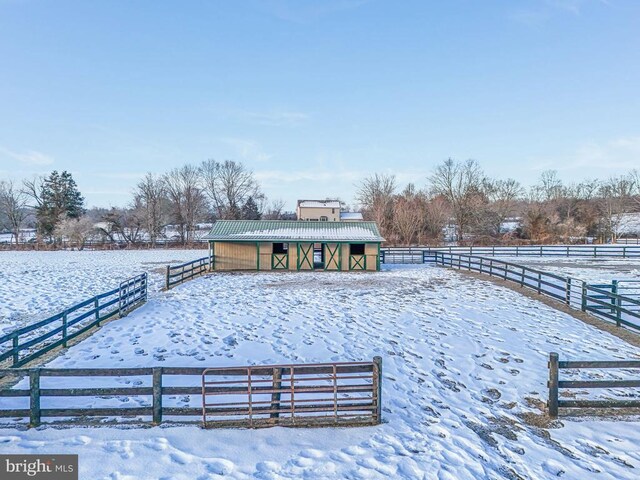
(568, 291)
(377, 387)
(275, 395)
(539, 282)
(616, 301)
(34, 397)
(64, 329)
(553, 385)
(166, 278)
(96, 306)
(16, 352)
(584, 297)
(157, 395)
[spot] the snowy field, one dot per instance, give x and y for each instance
(591, 270)
(464, 381)
(34, 285)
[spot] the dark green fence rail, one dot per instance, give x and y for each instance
(426, 254)
(63, 395)
(555, 384)
(177, 274)
(622, 309)
(32, 341)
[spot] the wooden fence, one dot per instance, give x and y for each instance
(427, 254)
(178, 274)
(39, 338)
(555, 384)
(622, 309)
(295, 395)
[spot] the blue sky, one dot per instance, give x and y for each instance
(313, 96)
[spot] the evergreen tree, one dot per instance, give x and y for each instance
(59, 198)
(250, 210)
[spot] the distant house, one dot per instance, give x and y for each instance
(319, 210)
(294, 245)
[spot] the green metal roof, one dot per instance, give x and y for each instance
(292, 230)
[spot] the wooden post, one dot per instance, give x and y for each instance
(617, 303)
(166, 281)
(96, 306)
(568, 291)
(377, 387)
(16, 351)
(64, 329)
(157, 395)
(584, 297)
(275, 396)
(553, 385)
(34, 397)
(539, 282)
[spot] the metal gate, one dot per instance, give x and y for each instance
(132, 291)
(322, 394)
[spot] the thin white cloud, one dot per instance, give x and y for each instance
(30, 157)
(615, 155)
(303, 12)
(546, 9)
(274, 118)
(246, 149)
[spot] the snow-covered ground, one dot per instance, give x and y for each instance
(591, 270)
(464, 379)
(34, 285)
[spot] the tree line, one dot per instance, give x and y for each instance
(460, 202)
(457, 201)
(182, 198)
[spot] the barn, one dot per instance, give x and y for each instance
(294, 245)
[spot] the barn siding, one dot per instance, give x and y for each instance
(371, 251)
(236, 256)
(266, 249)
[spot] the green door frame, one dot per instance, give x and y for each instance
(281, 263)
(355, 262)
(305, 258)
(332, 256)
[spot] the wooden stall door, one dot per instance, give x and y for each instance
(305, 256)
(332, 256)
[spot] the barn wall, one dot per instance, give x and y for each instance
(235, 256)
(344, 250)
(266, 248)
(293, 256)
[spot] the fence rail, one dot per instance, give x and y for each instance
(555, 384)
(295, 395)
(178, 274)
(426, 254)
(41, 337)
(623, 309)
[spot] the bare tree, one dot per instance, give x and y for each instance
(274, 210)
(186, 199)
(437, 214)
(75, 230)
(408, 214)
(375, 195)
(461, 183)
(151, 196)
(13, 205)
(228, 185)
(615, 199)
(503, 196)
